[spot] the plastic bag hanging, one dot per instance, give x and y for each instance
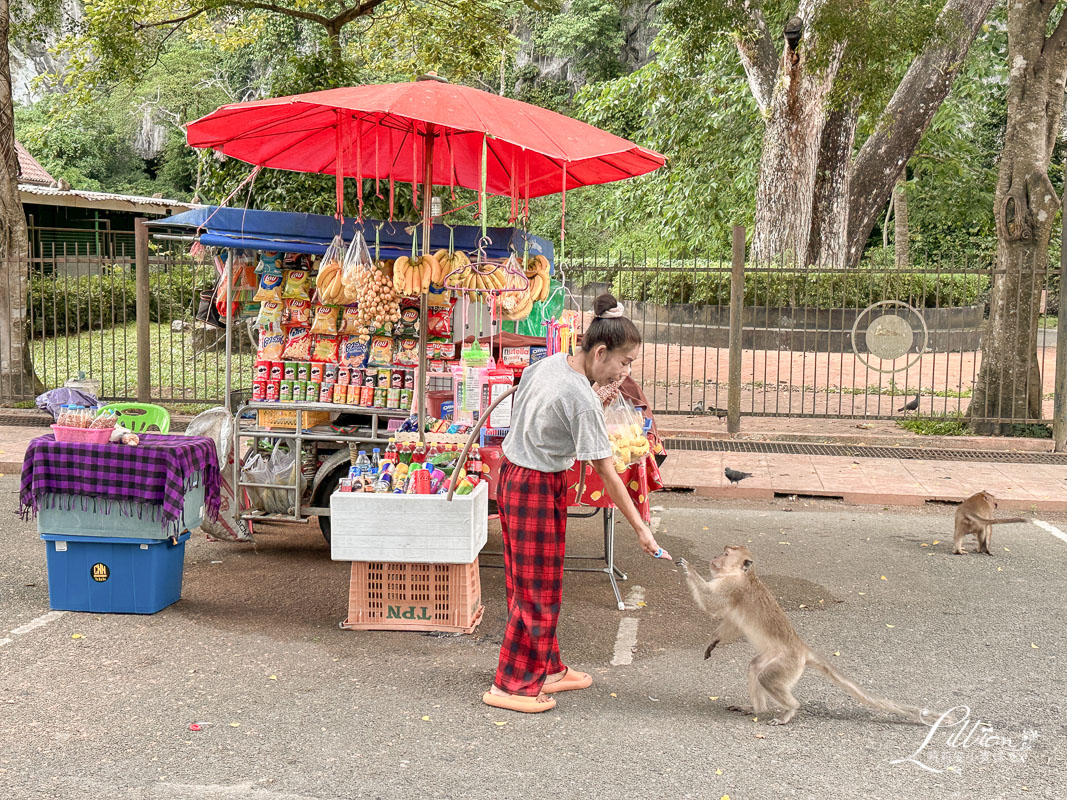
(626, 432)
(357, 268)
(328, 285)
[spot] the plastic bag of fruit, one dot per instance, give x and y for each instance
(626, 431)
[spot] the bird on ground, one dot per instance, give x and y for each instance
(911, 405)
(734, 476)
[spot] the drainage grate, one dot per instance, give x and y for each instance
(863, 451)
(177, 425)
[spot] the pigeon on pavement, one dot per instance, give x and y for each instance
(734, 476)
(911, 405)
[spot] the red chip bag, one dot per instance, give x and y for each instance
(298, 312)
(439, 321)
(298, 344)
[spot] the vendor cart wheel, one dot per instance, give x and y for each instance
(322, 497)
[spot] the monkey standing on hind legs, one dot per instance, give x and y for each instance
(975, 516)
(747, 608)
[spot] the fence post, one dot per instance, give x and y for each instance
(737, 307)
(1059, 403)
(144, 332)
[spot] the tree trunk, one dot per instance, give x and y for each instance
(829, 222)
(900, 224)
(1009, 381)
(785, 196)
(17, 378)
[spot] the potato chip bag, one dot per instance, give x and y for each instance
(325, 320)
(270, 345)
(270, 316)
(353, 351)
(297, 283)
(350, 321)
(381, 351)
(407, 352)
(270, 288)
(324, 349)
(298, 312)
(298, 343)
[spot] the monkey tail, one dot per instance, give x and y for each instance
(914, 713)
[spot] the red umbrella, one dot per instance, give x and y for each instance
(382, 131)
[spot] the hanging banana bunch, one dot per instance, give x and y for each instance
(412, 276)
(537, 270)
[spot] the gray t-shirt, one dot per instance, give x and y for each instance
(555, 419)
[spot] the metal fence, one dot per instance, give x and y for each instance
(808, 344)
(809, 337)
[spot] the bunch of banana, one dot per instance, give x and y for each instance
(537, 270)
(331, 288)
(516, 305)
(470, 278)
(448, 263)
(412, 278)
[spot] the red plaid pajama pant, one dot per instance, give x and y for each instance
(533, 522)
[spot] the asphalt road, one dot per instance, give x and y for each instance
(293, 708)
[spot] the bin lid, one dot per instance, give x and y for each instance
(74, 537)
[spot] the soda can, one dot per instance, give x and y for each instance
(277, 370)
(353, 394)
(315, 372)
(379, 397)
(366, 396)
(274, 389)
(289, 371)
(262, 371)
(344, 376)
(285, 394)
(370, 377)
(259, 390)
(384, 376)
(409, 379)
(312, 394)
(303, 372)
(329, 373)
(392, 398)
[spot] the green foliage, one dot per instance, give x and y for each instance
(950, 424)
(62, 305)
(588, 33)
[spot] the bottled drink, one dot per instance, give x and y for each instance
(362, 463)
(384, 482)
(419, 456)
(376, 458)
(474, 461)
(405, 453)
(391, 453)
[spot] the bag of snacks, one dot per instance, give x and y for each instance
(298, 312)
(409, 319)
(353, 351)
(381, 351)
(626, 431)
(407, 352)
(270, 316)
(325, 320)
(270, 288)
(357, 267)
(350, 321)
(298, 343)
(324, 349)
(269, 263)
(439, 321)
(296, 285)
(270, 345)
(328, 284)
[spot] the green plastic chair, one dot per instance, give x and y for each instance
(139, 417)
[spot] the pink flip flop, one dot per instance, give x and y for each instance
(572, 679)
(514, 702)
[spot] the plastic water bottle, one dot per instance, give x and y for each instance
(362, 463)
(376, 458)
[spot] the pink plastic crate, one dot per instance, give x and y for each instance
(82, 435)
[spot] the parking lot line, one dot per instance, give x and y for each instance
(33, 624)
(1050, 528)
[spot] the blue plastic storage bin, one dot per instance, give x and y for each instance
(114, 576)
(78, 516)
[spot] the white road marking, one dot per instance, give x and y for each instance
(204, 791)
(33, 624)
(625, 642)
(636, 595)
(4, 641)
(1050, 528)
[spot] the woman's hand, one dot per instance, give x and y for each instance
(648, 543)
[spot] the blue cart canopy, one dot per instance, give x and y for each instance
(289, 232)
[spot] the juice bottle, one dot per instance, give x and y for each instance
(391, 453)
(419, 456)
(405, 453)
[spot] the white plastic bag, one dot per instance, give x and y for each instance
(217, 424)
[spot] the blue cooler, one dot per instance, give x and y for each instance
(114, 575)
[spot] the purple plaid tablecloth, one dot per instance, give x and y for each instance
(159, 471)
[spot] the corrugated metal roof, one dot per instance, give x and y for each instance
(117, 202)
(30, 171)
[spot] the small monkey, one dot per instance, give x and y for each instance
(746, 608)
(975, 516)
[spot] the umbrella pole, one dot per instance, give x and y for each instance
(424, 306)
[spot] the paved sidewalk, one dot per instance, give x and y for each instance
(881, 481)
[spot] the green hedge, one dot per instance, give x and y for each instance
(855, 289)
(65, 305)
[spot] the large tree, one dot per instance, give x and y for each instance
(1009, 381)
(813, 78)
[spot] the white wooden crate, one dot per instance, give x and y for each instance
(410, 528)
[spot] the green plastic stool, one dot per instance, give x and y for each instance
(138, 417)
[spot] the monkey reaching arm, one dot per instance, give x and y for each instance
(747, 608)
